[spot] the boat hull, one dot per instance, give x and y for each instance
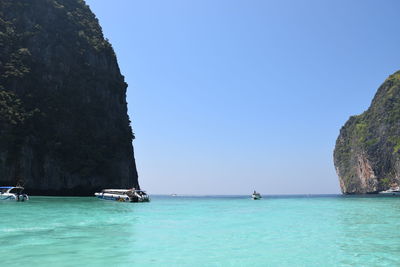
(13, 197)
(112, 197)
(390, 193)
(120, 198)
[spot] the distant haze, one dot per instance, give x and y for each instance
(230, 96)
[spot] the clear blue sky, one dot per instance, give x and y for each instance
(227, 96)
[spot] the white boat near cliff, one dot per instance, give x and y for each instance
(13, 193)
(391, 191)
(123, 195)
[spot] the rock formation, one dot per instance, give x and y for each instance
(367, 152)
(64, 128)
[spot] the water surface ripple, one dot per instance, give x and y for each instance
(202, 231)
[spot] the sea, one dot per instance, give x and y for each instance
(304, 230)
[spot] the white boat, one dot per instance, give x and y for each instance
(14, 193)
(256, 195)
(391, 191)
(123, 195)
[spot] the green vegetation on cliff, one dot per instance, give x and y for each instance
(62, 99)
(367, 152)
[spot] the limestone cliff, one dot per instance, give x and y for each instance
(64, 128)
(367, 152)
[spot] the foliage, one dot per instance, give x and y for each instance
(11, 110)
(385, 182)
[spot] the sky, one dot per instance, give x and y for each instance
(228, 96)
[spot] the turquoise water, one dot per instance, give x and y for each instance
(202, 231)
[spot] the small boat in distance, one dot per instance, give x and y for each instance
(13, 193)
(123, 195)
(256, 195)
(391, 191)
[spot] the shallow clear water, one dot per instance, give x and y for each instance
(202, 231)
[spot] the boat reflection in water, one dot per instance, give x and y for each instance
(123, 195)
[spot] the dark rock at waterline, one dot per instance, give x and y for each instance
(64, 128)
(367, 152)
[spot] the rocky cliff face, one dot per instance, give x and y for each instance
(367, 152)
(64, 128)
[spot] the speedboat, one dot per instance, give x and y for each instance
(256, 195)
(391, 191)
(13, 193)
(123, 195)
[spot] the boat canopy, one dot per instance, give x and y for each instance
(116, 190)
(11, 189)
(121, 190)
